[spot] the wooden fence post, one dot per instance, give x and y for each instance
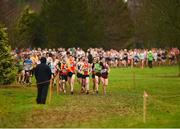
(50, 91)
(57, 85)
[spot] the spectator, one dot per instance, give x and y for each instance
(43, 76)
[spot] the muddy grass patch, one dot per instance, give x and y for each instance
(73, 116)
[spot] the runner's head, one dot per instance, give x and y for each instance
(95, 60)
(86, 60)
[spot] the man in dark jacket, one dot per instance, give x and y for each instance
(43, 76)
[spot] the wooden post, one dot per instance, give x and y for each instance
(145, 95)
(57, 82)
(50, 91)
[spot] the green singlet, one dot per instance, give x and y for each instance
(97, 68)
(150, 56)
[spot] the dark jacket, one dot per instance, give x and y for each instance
(42, 73)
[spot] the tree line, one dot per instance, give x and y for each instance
(93, 23)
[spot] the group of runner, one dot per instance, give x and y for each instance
(65, 67)
(94, 63)
(141, 57)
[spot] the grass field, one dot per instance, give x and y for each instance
(122, 107)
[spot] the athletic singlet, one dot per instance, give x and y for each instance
(97, 68)
(86, 69)
(104, 69)
(79, 67)
(52, 67)
(27, 64)
(63, 69)
(34, 61)
(71, 66)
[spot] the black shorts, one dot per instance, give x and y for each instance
(172, 58)
(79, 75)
(70, 74)
(125, 59)
(159, 59)
(98, 74)
(104, 75)
(85, 76)
(93, 75)
(108, 59)
(28, 71)
(63, 77)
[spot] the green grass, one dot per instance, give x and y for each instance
(122, 107)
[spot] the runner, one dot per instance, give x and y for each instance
(71, 72)
(79, 66)
(19, 65)
(104, 75)
(93, 75)
(142, 58)
(86, 71)
(27, 70)
(97, 70)
(63, 75)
